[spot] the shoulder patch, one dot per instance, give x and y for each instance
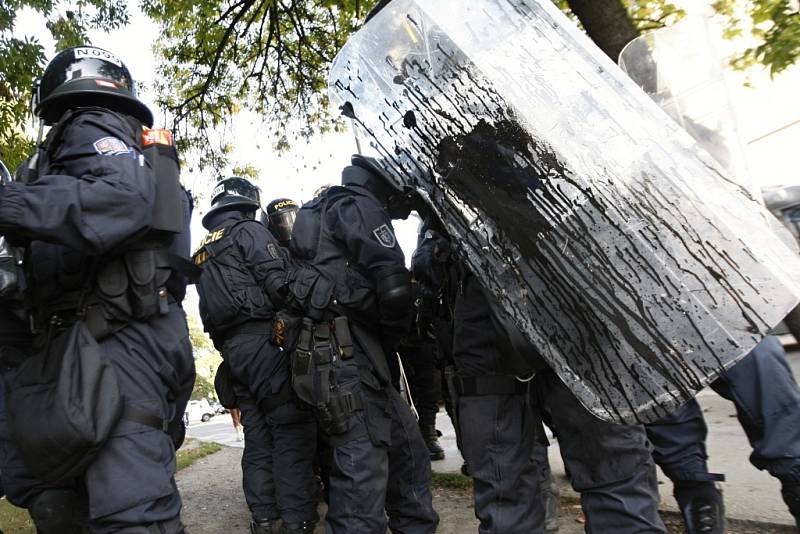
(385, 236)
(110, 146)
(273, 251)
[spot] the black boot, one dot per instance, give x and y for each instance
(552, 504)
(791, 496)
(431, 436)
(305, 527)
(262, 526)
(702, 507)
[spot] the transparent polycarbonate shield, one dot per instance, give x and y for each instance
(623, 252)
(680, 69)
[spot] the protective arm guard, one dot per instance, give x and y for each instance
(393, 287)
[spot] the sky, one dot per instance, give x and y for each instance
(767, 115)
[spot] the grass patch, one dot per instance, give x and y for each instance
(187, 457)
(451, 481)
(15, 520)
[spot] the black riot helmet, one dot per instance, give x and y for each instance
(279, 218)
(86, 76)
(233, 193)
(367, 172)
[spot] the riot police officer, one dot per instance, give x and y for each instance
(767, 402)
(496, 388)
(279, 218)
(105, 224)
(244, 272)
(356, 301)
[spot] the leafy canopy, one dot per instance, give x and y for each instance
(775, 24)
(270, 56)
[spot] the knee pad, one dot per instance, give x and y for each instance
(59, 512)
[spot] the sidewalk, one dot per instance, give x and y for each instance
(213, 503)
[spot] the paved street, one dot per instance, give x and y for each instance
(749, 494)
(219, 429)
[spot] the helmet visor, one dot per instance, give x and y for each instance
(282, 222)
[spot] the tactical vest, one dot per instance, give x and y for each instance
(229, 293)
(144, 276)
(313, 241)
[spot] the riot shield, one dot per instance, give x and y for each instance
(682, 72)
(625, 254)
(679, 68)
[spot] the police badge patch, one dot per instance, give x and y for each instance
(385, 236)
(110, 146)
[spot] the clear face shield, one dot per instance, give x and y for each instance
(282, 222)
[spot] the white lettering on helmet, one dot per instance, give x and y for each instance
(218, 191)
(87, 52)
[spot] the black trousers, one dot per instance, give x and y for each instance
(285, 433)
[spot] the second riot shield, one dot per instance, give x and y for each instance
(626, 255)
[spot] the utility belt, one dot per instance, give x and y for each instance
(321, 348)
(476, 386)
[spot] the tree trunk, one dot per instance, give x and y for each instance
(607, 22)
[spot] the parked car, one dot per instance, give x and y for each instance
(199, 410)
(219, 408)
